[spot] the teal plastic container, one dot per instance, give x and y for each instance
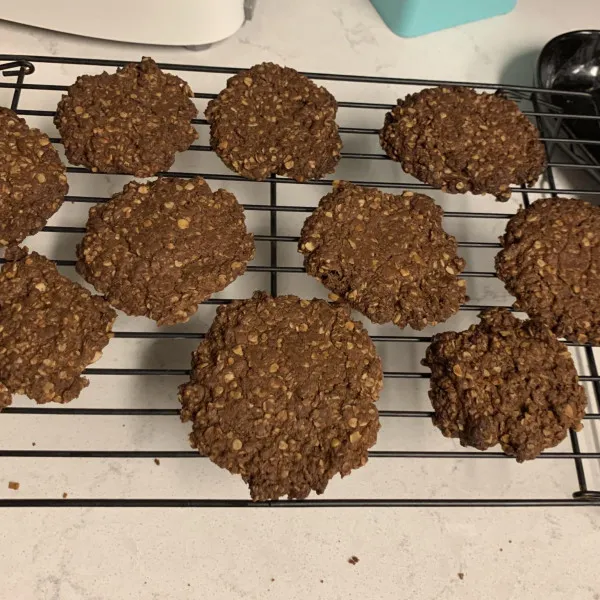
(410, 18)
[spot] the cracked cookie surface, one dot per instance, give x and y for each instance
(550, 262)
(460, 141)
(133, 121)
(504, 381)
(271, 120)
(282, 392)
(158, 249)
(33, 180)
(386, 255)
(51, 329)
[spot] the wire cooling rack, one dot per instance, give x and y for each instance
(113, 446)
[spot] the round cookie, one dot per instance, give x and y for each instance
(387, 256)
(282, 392)
(159, 249)
(551, 263)
(51, 329)
(504, 381)
(133, 121)
(33, 182)
(273, 120)
(460, 141)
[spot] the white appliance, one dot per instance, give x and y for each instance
(167, 22)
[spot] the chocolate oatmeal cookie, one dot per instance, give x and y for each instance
(282, 392)
(460, 141)
(551, 262)
(504, 381)
(51, 329)
(273, 120)
(33, 183)
(159, 249)
(132, 121)
(387, 256)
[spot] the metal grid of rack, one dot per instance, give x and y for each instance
(563, 154)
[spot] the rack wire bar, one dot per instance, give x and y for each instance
(15, 71)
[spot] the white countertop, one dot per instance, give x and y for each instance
(126, 553)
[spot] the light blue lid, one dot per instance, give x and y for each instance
(410, 18)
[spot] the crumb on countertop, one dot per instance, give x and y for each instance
(156, 461)
(353, 560)
(14, 485)
(461, 576)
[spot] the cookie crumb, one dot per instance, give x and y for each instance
(157, 462)
(353, 560)
(272, 579)
(14, 485)
(461, 576)
(64, 494)
(33, 443)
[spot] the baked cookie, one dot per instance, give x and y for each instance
(282, 392)
(33, 182)
(5, 397)
(133, 121)
(273, 120)
(460, 141)
(504, 381)
(51, 329)
(159, 249)
(551, 262)
(387, 256)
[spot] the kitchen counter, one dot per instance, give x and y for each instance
(70, 553)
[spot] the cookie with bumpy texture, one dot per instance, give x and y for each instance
(551, 262)
(282, 392)
(159, 249)
(51, 329)
(460, 141)
(504, 381)
(33, 182)
(133, 121)
(386, 255)
(273, 120)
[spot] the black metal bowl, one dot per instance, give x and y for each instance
(571, 61)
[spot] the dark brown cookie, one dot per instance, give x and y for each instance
(159, 249)
(132, 121)
(387, 256)
(273, 120)
(551, 262)
(504, 381)
(33, 183)
(460, 141)
(5, 397)
(51, 329)
(282, 392)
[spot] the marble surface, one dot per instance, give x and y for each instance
(438, 554)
